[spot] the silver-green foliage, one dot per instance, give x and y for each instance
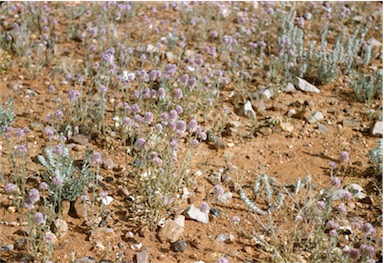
(376, 157)
(274, 198)
(367, 87)
(74, 179)
(7, 115)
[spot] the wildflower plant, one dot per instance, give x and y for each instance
(66, 181)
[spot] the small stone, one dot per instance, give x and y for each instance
(225, 237)
(214, 178)
(151, 49)
(306, 86)
(214, 212)
(7, 248)
(65, 206)
(265, 131)
(196, 214)
(291, 112)
(290, 88)
(377, 129)
(189, 53)
(80, 139)
(357, 191)
(171, 58)
(142, 257)
(180, 220)
(30, 93)
(98, 246)
(248, 249)
(263, 94)
(350, 123)
(322, 128)
(109, 164)
(14, 85)
(315, 117)
(171, 231)
(302, 114)
(82, 207)
(85, 260)
(287, 126)
(248, 110)
(61, 228)
(79, 148)
(375, 42)
(259, 106)
(11, 209)
(179, 246)
(277, 106)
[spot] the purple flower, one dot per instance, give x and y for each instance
(139, 144)
(159, 127)
(164, 116)
(344, 157)
(181, 126)
(336, 182)
(346, 250)
(28, 204)
(43, 186)
(333, 225)
(10, 188)
(21, 150)
(19, 133)
(218, 189)
(178, 93)
(103, 90)
(192, 83)
(301, 22)
(185, 79)
(179, 109)
(173, 142)
(57, 149)
(354, 254)
(367, 250)
(84, 198)
(192, 125)
(194, 142)
(202, 135)
(33, 195)
(51, 88)
(222, 260)
(153, 75)
(96, 157)
(321, 204)
(161, 93)
(73, 95)
(341, 208)
(368, 229)
(57, 180)
(173, 115)
(148, 117)
(58, 114)
(333, 233)
(204, 207)
(170, 69)
(38, 218)
(332, 165)
(347, 195)
(135, 108)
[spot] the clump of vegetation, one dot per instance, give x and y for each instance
(7, 115)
